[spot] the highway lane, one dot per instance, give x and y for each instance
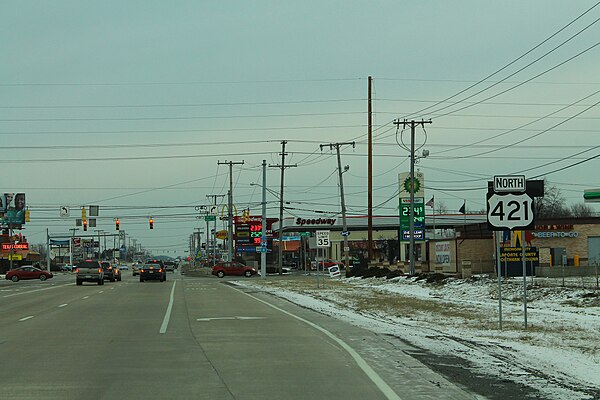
(61, 341)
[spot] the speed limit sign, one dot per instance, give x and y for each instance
(510, 211)
(322, 238)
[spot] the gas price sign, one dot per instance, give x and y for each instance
(419, 210)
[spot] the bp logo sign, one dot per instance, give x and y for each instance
(416, 185)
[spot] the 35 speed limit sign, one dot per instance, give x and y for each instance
(510, 211)
(322, 238)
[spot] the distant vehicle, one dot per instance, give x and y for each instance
(117, 272)
(67, 268)
(124, 267)
(89, 271)
(135, 268)
(28, 272)
(170, 266)
(233, 268)
(109, 272)
(152, 272)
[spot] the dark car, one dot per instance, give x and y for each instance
(233, 268)
(28, 272)
(109, 271)
(152, 272)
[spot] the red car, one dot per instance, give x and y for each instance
(28, 272)
(223, 268)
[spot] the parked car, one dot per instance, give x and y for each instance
(233, 268)
(27, 272)
(152, 272)
(109, 271)
(89, 271)
(326, 263)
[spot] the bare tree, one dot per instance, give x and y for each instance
(552, 204)
(582, 210)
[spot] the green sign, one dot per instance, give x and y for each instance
(591, 195)
(304, 233)
(419, 212)
(210, 217)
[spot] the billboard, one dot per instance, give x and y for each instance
(12, 209)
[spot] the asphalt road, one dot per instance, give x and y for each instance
(192, 338)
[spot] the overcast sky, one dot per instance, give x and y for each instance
(130, 105)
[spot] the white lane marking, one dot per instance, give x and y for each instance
(37, 290)
(227, 318)
(102, 291)
(387, 391)
(85, 297)
(26, 318)
(165, 323)
(63, 305)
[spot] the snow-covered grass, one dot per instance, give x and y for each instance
(558, 354)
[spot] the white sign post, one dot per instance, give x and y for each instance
(322, 243)
(510, 207)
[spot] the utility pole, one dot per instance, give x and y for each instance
(345, 232)
(280, 235)
(71, 246)
(214, 239)
(229, 208)
(413, 124)
(263, 235)
(370, 175)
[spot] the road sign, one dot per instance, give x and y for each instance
(345, 233)
(591, 195)
(322, 238)
(418, 234)
(210, 218)
(213, 210)
(509, 183)
(64, 211)
(510, 211)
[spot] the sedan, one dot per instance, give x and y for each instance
(28, 272)
(233, 268)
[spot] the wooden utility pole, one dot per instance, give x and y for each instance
(280, 235)
(345, 231)
(370, 175)
(230, 251)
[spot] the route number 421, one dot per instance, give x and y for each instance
(510, 211)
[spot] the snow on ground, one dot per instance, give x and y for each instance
(558, 355)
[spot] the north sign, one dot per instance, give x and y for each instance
(509, 183)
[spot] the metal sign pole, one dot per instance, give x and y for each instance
(524, 279)
(499, 264)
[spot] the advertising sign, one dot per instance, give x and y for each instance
(12, 209)
(442, 253)
(15, 246)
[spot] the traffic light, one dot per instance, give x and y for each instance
(151, 222)
(84, 224)
(117, 224)
(27, 216)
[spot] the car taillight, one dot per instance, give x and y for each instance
(109, 267)
(76, 270)
(99, 270)
(141, 270)
(160, 270)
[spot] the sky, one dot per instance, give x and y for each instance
(132, 105)
(556, 356)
